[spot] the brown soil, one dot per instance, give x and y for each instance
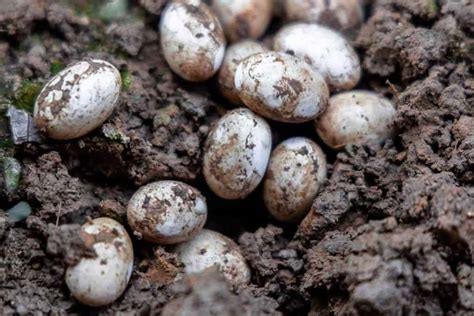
(391, 233)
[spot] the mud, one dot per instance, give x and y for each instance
(390, 233)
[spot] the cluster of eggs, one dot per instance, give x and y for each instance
(292, 83)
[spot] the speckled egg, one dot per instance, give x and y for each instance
(337, 14)
(281, 87)
(243, 18)
(192, 39)
(167, 212)
(356, 117)
(236, 154)
(233, 55)
(78, 99)
(296, 170)
(101, 280)
(209, 248)
(326, 50)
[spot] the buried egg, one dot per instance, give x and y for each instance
(243, 19)
(337, 14)
(236, 154)
(100, 280)
(208, 249)
(327, 51)
(356, 117)
(192, 39)
(78, 99)
(233, 55)
(167, 212)
(296, 170)
(281, 87)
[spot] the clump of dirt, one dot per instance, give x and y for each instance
(47, 183)
(208, 294)
(390, 233)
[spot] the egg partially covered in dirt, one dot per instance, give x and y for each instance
(101, 280)
(243, 19)
(356, 117)
(167, 212)
(233, 55)
(337, 14)
(192, 39)
(78, 99)
(296, 170)
(236, 154)
(209, 248)
(281, 87)
(326, 50)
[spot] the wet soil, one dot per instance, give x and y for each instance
(391, 232)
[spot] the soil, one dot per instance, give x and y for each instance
(390, 233)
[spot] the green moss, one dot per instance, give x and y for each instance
(432, 7)
(11, 173)
(56, 66)
(113, 10)
(126, 80)
(6, 143)
(26, 95)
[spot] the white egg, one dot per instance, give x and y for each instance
(192, 39)
(233, 55)
(236, 154)
(337, 14)
(356, 117)
(208, 249)
(243, 18)
(281, 87)
(101, 280)
(327, 51)
(167, 212)
(296, 170)
(78, 99)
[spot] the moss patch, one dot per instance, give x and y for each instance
(126, 80)
(26, 95)
(56, 67)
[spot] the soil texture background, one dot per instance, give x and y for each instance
(390, 233)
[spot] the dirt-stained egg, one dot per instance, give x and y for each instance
(296, 170)
(326, 50)
(243, 18)
(192, 39)
(209, 248)
(281, 87)
(167, 212)
(236, 154)
(356, 117)
(233, 55)
(337, 14)
(100, 280)
(78, 99)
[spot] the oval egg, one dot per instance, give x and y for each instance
(78, 99)
(281, 87)
(233, 55)
(167, 212)
(209, 248)
(101, 280)
(326, 50)
(192, 39)
(356, 117)
(296, 170)
(236, 154)
(243, 18)
(337, 14)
